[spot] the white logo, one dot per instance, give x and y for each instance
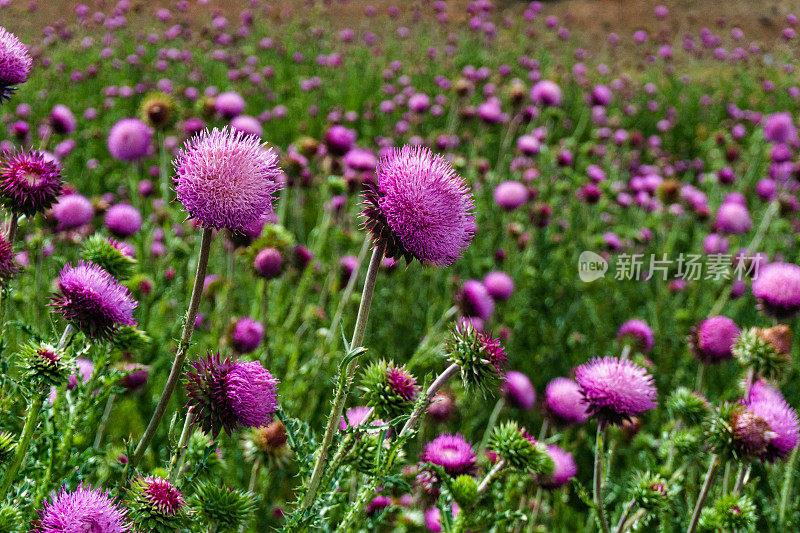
(591, 266)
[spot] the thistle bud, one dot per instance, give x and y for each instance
(464, 489)
(481, 357)
(267, 443)
(766, 351)
(44, 366)
(690, 406)
(155, 505)
(649, 491)
(729, 513)
(227, 508)
(158, 110)
(389, 388)
(108, 254)
(520, 450)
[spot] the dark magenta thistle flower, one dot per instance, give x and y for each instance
(8, 261)
(228, 393)
(452, 452)
(93, 301)
(156, 505)
(777, 288)
(419, 207)
(518, 390)
(15, 63)
(84, 509)
(713, 339)
(29, 183)
(247, 335)
(564, 402)
(638, 333)
(226, 179)
(614, 390)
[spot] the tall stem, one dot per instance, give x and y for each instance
(787, 487)
(741, 478)
(432, 390)
(22, 445)
(348, 291)
(176, 464)
(345, 384)
(490, 424)
(491, 475)
(598, 478)
(701, 498)
(12, 227)
(183, 347)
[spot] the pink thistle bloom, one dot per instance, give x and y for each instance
(226, 179)
(615, 390)
(451, 452)
(84, 509)
(777, 288)
(564, 401)
(30, 182)
(15, 63)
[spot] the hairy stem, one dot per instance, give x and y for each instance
(23, 444)
(701, 498)
(598, 479)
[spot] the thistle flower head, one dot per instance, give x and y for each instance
(751, 433)
(72, 211)
(84, 509)
(615, 390)
(452, 452)
(158, 110)
(156, 505)
(123, 220)
(783, 425)
(419, 207)
(108, 254)
(247, 335)
(777, 288)
(518, 390)
(29, 183)
(90, 299)
(481, 357)
(766, 351)
(225, 179)
(8, 261)
(650, 491)
(220, 505)
(267, 442)
(638, 333)
(228, 393)
(15, 63)
(389, 388)
(44, 366)
(564, 401)
(711, 341)
(475, 300)
(520, 450)
(129, 139)
(730, 512)
(687, 404)
(564, 468)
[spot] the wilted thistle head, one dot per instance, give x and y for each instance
(766, 351)
(90, 299)
(43, 366)
(730, 512)
(8, 260)
(228, 508)
(156, 505)
(520, 450)
(108, 254)
(389, 388)
(649, 491)
(29, 183)
(158, 110)
(225, 179)
(615, 390)
(481, 357)
(783, 424)
(777, 288)
(687, 404)
(267, 443)
(420, 208)
(15, 63)
(84, 509)
(228, 393)
(452, 452)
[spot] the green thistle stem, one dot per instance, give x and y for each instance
(701, 498)
(180, 356)
(23, 444)
(346, 378)
(598, 479)
(431, 392)
(178, 456)
(786, 489)
(487, 480)
(490, 424)
(13, 224)
(348, 291)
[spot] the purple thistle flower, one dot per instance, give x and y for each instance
(355, 417)
(225, 179)
(499, 285)
(85, 509)
(402, 382)
(733, 218)
(518, 390)
(615, 390)
(72, 211)
(161, 495)
(777, 288)
(8, 261)
(30, 183)
(713, 339)
(475, 300)
(62, 120)
(760, 390)
(92, 300)
(420, 207)
(247, 335)
(783, 422)
(564, 401)
(226, 394)
(451, 452)
(638, 332)
(123, 220)
(564, 468)
(268, 263)
(15, 63)
(546, 93)
(129, 139)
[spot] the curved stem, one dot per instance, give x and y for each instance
(598, 479)
(346, 377)
(625, 515)
(22, 445)
(180, 356)
(701, 498)
(431, 392)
